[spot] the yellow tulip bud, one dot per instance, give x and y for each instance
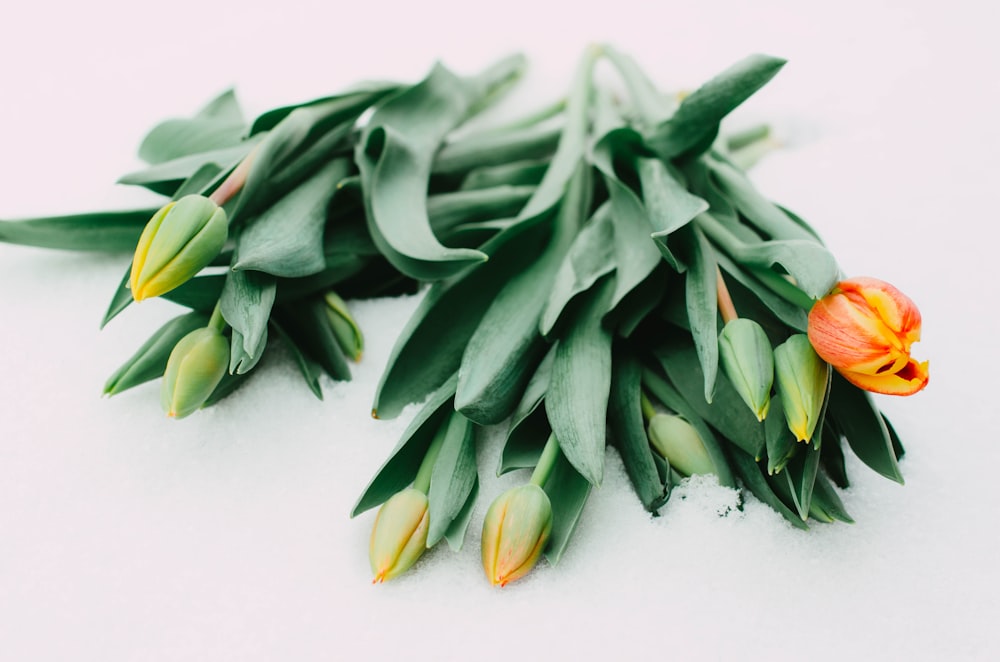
(680, 444)
(179, 241)
(515, 532)
(195, 367)
(399, 536)
(802, 378)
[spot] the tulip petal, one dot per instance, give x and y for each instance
(912, 378)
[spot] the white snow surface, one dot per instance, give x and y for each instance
(226, 536)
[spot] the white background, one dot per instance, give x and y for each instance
(125, 536)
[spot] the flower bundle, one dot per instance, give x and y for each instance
(602, 271)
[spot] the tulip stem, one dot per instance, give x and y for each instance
(422, 482)
(217, 321)
(648, 410)
(726, 307)
(233, 184)
(546, 462)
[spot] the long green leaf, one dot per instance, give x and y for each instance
(286, 239)
(701, 297)
(111, 231)
(625, 424)
(401, 467)
(861, 423)
(755, 481)
(568, 491)
(577, 399)
(696, 123)
(150, 360)
(452, 478)
(507, 344)
(430, 347)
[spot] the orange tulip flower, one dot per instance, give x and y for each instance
(864, 328)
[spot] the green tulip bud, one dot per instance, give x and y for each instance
(344, 328)
(179, 241)
(195, 367)
(515, 532)
(399, 536)
(802, 378)
(748, 361)
(680, 444)
(150, 360)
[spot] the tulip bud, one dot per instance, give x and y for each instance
(515, 532)
(344, 328)
(864, 328)
(195, 367)
(399, 536)
(177, 243)
(802, 380)
(748, 361)
(680, 444)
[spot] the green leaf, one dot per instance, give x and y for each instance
(701, 297)
(785, 311)
(401, 467)
(625, 423)
(394, 156)
(455, 535)
(800, 476)
(858, 419)
(307, 325)
(826, 505)
(833, 455)
(577, 399)
(286, 239)
(635, 254)
(225, 388)
(220, 124)
(446, 211)
(150, 360)
(670, 206)
(344, 105)
(170, 174)
(309, 369)
(568, 491)
(527, 172)
(761, 212)
(199, 293)
(590, 258)
(496, 148)
(245, 303)
(452, 478)
(430, 346)
(781, 442)
(529, 426)
(696, 123)
(507, 344)
(111, 231)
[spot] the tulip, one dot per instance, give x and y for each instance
(515, 532)
(399, 536)
(748, 361)
(195, 367)
(864, 328)
(802, 378)
(179, 241)
(680, 444)
(344, 328)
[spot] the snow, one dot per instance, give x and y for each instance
(226, 536)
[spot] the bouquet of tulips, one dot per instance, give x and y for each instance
(600, 271)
